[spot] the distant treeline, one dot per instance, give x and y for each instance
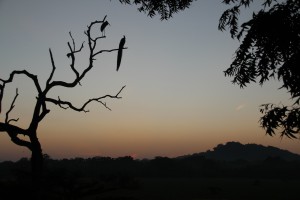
(188, 166)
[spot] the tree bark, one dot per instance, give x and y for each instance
(36, 158)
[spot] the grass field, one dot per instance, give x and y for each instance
(183, 188)
(158, 179)
(205, 189)
(162, 189)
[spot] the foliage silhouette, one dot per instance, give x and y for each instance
(269, 48)
(42, 100)
(164, 8)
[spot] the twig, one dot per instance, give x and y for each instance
(12, 105)
(107, 51)
(60, 103)
(53, 67)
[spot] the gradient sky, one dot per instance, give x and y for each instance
(176, 101)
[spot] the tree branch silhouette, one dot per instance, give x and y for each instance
(12, 105)
(164, 8)
(269, 49)
(61, 103)
(40, 108)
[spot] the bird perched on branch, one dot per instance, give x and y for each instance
(120, 51)
(103, 26)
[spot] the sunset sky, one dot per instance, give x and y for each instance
(176, 101)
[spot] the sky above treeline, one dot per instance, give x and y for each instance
(176, 101)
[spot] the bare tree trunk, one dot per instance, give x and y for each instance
(36, 158)
(41, 110)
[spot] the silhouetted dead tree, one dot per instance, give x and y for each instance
(42, 100)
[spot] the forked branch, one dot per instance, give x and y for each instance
(68, 104)
(111, 50)
(12, 105)
(29, 75)
(1, 96)
(15, 139)
(91, 45)
(10, 79)
(53, 68)
(40, 108)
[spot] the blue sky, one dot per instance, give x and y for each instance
(176, 101)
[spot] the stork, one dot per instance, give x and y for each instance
(103, 26)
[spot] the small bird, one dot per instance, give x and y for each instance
(120, 51)
(103, 26)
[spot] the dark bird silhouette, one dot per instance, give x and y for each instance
(120, 51)
(103, 26)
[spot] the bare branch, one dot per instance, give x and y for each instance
(72, 52)
(95, 41)
(104, 18)
(91, 44)
(43, 114)
(97, 38)
(61, 103)
(45, 111)
(14, 129)
(73, 41)
(80, 47)
(29, 75)
(104, 104)
(74, 46)
(1, 95)
(107, 51)
(12, 120)
(36, 113)
(53, 67)
(72, 65)
(11, 108)
(88, 33)
(14, 138)
(66, 104)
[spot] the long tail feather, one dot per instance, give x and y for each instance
(120, 52)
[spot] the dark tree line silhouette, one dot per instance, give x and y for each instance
(125, 178)
(187, 166)
(225, 160)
